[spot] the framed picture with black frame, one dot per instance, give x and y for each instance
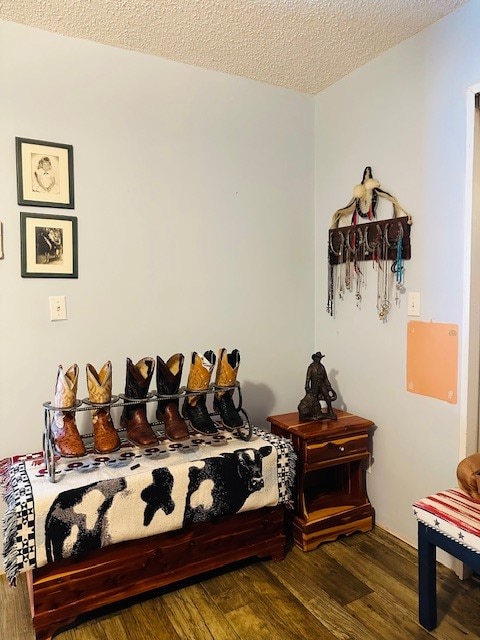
(49, 246)
(44, 173)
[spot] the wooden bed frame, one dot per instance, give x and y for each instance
(61, 591)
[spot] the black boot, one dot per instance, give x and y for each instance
(195, 407)
(226, 376)
(134, 416)
(169, 375)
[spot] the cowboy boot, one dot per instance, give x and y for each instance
(169, 375)
(195, 407)
(134, 416)
(68, 441)
(99, 385)
(226, 376)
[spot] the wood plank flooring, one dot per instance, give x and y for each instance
(363, 587)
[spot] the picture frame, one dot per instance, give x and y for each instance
(44, 173)
(49, 246)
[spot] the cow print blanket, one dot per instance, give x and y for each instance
(101, 500)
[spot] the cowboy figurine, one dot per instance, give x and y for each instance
(317, 389)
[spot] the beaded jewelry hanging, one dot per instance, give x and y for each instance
(360, 278)
(383, 287)
(397, 267)
(385, 243)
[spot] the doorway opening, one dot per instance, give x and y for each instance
(470, 341)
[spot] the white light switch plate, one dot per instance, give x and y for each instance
(58, 308)
(413, 303)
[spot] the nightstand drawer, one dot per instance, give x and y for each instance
(336, 449)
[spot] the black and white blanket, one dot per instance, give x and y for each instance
(100, 500)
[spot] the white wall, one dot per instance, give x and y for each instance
(405, 115)
(194, 195)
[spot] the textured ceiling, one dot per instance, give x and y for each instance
(299, 44)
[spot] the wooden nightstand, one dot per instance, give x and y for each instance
(331, 495)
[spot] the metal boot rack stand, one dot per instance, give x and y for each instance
(50, 454)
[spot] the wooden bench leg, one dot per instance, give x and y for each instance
(427, 577)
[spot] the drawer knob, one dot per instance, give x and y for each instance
(342, 448)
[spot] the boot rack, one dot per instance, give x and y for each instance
(51, 455)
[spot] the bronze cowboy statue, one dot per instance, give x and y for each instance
(317, 389)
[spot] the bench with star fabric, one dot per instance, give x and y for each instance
(449, 520)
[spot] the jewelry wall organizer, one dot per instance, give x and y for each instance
(385, 243)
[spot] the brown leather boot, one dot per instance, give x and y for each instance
(169, 375)
(68, 442)
(99, 385)
(226, 376)
(134, 416)
(195, 407)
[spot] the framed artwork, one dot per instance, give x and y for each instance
(44, 173)
(48, 246)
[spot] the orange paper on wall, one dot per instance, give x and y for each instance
(432, 360)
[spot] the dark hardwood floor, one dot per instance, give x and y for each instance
(363, 587)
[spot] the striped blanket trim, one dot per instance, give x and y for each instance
(454, 513)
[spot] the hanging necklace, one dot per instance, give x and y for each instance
(359, 257)
(383, 294)
(397, 267)
(349, 252)
(335, 258)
